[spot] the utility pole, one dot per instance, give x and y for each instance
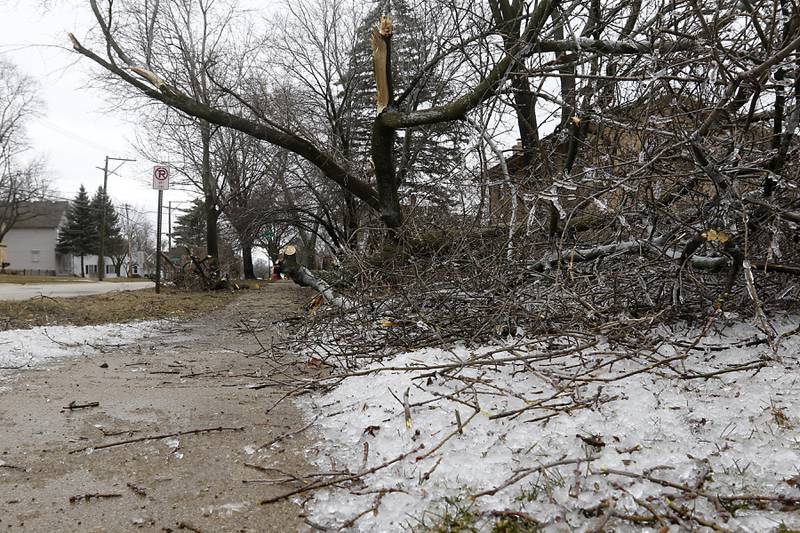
(169, 228)
(101, 256)
(130, 234)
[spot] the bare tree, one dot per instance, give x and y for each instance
(185, 37)
(20, 181)
(638, 120)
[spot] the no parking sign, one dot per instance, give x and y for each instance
(161, 178)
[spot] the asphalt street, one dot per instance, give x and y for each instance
(13, 291)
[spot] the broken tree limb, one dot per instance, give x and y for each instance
(649, 247)
(287, 264)
(73, 405)
(155, 437)
(382, 62)
(93, 496)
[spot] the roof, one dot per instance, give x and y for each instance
(33, 215)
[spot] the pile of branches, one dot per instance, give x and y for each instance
(455, 286)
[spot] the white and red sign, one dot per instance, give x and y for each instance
(161, 178)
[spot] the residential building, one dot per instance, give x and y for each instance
(31, 241)
(30, 244)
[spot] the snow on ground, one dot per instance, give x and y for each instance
(23, 348)
(727, 434)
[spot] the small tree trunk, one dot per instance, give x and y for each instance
(212, 240)
(83, 270)
(210, 196)
(247, 260)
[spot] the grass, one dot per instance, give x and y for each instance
(15, 278)
(113, 307)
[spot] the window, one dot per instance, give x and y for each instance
(90, 269)
(110, 269)
(35, 254)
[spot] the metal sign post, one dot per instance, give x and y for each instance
(161, 183)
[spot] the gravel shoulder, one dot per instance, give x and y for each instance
(55, 475)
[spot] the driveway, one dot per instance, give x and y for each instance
(13, 291)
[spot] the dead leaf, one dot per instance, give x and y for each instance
(315, 362)
(592, 440)
(315, 303)
(371, 430)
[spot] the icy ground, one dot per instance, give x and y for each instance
(699, 431)
(26, 348)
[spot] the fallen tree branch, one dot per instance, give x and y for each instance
(155, 437)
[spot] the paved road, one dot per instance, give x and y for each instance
(13, 291)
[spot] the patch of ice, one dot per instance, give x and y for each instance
(743, 426)
(226, 509)
(25, 348)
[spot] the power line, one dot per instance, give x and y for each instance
(48, 124)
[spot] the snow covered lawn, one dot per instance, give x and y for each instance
(577, 433)
(23, 348)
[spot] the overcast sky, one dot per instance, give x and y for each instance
(77, 127)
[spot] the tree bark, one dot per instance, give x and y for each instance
(288, 264)
(247, 260)
(383, 136)
(210, 196)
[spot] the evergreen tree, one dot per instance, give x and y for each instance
(115, 244)
(113, 231)
(190, 228)
(79, 236)
(426, 156)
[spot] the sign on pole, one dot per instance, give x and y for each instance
(161, 178)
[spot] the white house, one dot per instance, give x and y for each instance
(31, 244)
(31, 241)
(90, 266)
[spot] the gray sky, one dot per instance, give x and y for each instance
(77, 128)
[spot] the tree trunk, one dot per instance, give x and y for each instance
(351, 218)
(383, 136)
(247, 260)
(288, 264)
(212, 241)
(83, 270)
(210, 196)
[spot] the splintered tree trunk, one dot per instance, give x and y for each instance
(383, 136)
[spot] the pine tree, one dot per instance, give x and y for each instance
(426, 155)
(190, 228)
(115, 243)
(79, 236)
